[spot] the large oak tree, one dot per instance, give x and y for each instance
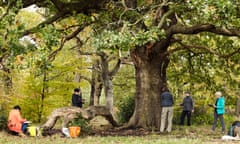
(152, 30)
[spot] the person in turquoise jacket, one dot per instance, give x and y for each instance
(219, 111)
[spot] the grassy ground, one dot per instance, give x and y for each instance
(180, 135)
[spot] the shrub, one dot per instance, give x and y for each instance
(3, 117)
(82, 123)
(125, 109)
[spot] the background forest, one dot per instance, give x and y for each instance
(44, 55)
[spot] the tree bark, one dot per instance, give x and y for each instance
(69, 113)
(107, 76)
(96, 85)
(150, 78)
(237, 108)
(107, 81)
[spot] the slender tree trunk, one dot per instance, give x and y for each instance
(96, 89)
(107, 82)
(96, 85)
(107, 76)
(150, 78)
(109, 93)
(237, 108)
(43, 94)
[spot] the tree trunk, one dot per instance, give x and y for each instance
(237, 109)
(43, 95)
(107, 76)
(107, 81)
(150, 70)
(96, 89)
(96, 85)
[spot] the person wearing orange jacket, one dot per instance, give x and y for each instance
(15, 121)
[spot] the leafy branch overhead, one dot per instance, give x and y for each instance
(166, 43)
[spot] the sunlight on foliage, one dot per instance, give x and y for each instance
(126, 39)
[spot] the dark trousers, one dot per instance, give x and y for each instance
(184, 114)
(24, 127)
(216, 116)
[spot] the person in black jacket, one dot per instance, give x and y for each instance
(77, 98)
(166, 101)
(188, 108)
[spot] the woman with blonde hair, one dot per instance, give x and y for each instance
(219, 111)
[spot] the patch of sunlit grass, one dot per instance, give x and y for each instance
(179, 135)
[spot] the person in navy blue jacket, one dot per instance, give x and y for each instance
(166, 101)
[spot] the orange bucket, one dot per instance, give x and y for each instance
(74, 131)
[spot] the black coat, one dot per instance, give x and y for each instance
(77, 100)
(188, 103)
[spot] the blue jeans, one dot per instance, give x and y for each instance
(24, 127)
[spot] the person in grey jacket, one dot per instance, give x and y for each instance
(188, 108)
(166, 101)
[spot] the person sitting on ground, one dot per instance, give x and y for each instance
(234, 132)
(16, 123)
(235, 129)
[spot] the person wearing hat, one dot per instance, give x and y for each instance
(77, 98)
(188, 108)
(219, 111)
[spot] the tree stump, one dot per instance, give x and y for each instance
(70, 113)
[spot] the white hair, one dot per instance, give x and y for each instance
(218, 93)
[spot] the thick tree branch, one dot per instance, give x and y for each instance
(58, 4)
(79, 6)
(115, 69)
(27, 3)
(180, 29)
(189, 47)
(68, 8)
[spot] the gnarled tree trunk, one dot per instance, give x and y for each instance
(150, 78)
(69, 113)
